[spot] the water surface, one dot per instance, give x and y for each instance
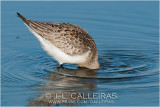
(126, 34)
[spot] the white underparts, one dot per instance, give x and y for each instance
(56, 53)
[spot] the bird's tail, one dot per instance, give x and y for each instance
(23, 18)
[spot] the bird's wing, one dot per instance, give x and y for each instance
(69, 38)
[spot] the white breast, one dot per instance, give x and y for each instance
(57, 54)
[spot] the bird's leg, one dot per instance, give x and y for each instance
(60, 65)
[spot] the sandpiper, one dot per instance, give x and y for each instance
(64, 42)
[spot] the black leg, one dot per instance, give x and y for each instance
(59, 66)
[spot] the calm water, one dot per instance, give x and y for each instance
(126, 34)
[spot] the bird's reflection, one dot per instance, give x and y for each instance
(65, 87)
